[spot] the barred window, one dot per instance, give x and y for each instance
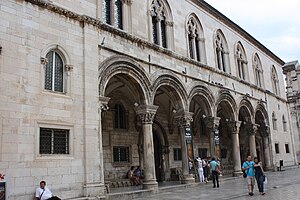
(54, 72)
(121, 154)
(112, 12)
(106, 11)
(54, 141)
(177, 154)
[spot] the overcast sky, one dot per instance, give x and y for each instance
(274, 23)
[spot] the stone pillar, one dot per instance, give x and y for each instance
(146, 114)
(194, 52)
(267, 154)
(184, 120)
(212, 124)
(234, 127)
(252, 128)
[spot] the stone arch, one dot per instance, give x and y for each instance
(245, 103)
(165, 77)
(166, 6)
(205, 93)
(59, 49)
(198, 24)
(124, 65)
(261, 108)
(226, 98)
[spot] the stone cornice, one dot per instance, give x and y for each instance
(140, 42)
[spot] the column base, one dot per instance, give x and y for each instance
(237, 173)
(150, 185)
(188, 179)
(93, 189)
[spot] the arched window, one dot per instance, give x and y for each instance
(112, 12)
(120, 116)
(284, 123)
(258, 71)
(195, 39)
(161, 21)
(54, 72)
(241, 61)
(274, 121)
(221, 50)
(275, 81)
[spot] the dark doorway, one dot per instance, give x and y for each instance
(159, 169)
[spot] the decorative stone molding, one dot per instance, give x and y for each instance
(103, 101)
(44, 61)
(168, 23)
(69, 67)
(251, 128)
(184, 119)
(146, 113)
(234, 126)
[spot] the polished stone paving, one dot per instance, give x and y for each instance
(280, 185)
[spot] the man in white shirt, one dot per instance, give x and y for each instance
(43, 193)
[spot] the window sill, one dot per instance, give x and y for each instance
(54, 157)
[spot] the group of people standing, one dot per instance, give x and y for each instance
(204, 167)
(254, 170)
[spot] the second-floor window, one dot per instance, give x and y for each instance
(258, 71)
(241, 61)
(275, 81)
(120, 116)
(54, 72)
(159, 23)
(221, 50)
(112, 12)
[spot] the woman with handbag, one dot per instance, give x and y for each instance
(259, 175)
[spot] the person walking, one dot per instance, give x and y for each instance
(259, 175)
(200, 170)
(248, 167)
(214, 165)
(205, 169)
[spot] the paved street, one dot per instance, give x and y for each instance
(280, 185)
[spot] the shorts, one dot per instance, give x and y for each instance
(250, 180)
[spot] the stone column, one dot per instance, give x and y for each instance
(252, 128)
(184, 120)
(146, 114)
(212, 124)
(194, 52)
(265, 135)
(234, 127)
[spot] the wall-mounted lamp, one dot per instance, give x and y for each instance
(227, 120)
(102, 43)
(203, 116)
(174, 110)
(136, 104)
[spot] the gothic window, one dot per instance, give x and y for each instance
(160, 16)
(196, 44)
(284, 123)
(120, 116)
(241, 61)
(258, 71)
(275, 81)
(54, 72)
(54, 141)
(112, 11)
(274, 121)
(221, 51)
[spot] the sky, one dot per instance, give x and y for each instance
(274, 23)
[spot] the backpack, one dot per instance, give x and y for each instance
(244, 172)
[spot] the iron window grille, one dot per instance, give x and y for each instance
(54, 141)
(177, 154)
(121, 154)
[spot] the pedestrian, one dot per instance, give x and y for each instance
(259, 175)
(133, 179)
(205, 169)
(200, 169)
(248, 167)
(214, 165)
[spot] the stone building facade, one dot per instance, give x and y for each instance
(291, 70)
(91, 87)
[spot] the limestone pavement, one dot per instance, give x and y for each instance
(280, 185)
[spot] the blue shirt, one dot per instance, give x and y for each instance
(213, 165)
(250, 171)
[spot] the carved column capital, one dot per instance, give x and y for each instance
(146, 113)
(184, 119)
(251, 128)
(234, 126)
(212, 123)
(103, 103)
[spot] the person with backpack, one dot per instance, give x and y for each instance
(214, 166)
(248, 168)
